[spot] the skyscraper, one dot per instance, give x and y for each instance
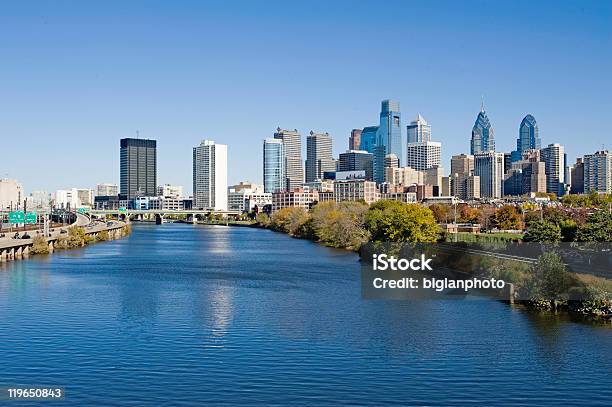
(553, 157)
(529, 137)
(137, 168)
(577, 177)
(274, 165)
(418, 131)
(294, 166)
(319, 158)
(482, 134)
(390, 130)
(355, 139)
(210, 176)
(462, 164)
(357, 160)
(489, 166)
(598, 172)
(423, 155)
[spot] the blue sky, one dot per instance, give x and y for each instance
(76, 77)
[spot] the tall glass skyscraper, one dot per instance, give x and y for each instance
(483, 139)
(529, 137)
(390, 129)
(418, 131)
(137, 168)
(274, 165)
(386, 138)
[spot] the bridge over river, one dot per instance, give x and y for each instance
(160, 214)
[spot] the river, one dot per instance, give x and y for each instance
(210, 315)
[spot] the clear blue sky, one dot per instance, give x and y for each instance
(76, 77)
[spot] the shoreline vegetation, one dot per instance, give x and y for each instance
(74, 239)
(546, 285)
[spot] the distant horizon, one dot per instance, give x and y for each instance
(80, 77)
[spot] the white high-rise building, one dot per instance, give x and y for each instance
(210, 176)
(418, 131)
(11, 194)
(553, 157)
(74, 198)
(489, 166)
(423, 155)
(598, 172)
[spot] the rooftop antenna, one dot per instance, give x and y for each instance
(482, 103)
(137, 134)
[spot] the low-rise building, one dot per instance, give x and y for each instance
(355, 190)
(299, 197)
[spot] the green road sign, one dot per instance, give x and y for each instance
(82, 210)
(16, 217)
(122, 209)
(30, 217)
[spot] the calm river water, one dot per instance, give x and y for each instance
(205, 315)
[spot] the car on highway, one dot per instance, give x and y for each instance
(63, 231)
(26, 236)
(16, 236)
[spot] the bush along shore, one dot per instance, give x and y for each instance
(544, 285)
(75, 238)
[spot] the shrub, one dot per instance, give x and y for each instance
(39, 246)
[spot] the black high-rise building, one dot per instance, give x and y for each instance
(138, 168)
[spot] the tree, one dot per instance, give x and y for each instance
(399, 222)
(543, 231)
(507, 218)
(441, 212)
(289, 220)
(468, 214)
(552, 279)
(598, 228)
(263, 219)
(340, 224)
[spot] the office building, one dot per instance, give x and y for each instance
(210, 176)
(138, 168)
(11, 194)
(489, 166)
(39, 199)
(529, 137)
(423, 155)
(598, 172)
(553, 157)
(404, 176)
(527, 175)
(245, 197)
(170, 191)
(390, 130)
(463, 186)
(294, 166)
(107, 190)
(368, 139)
(357, 160)
(483, 139)
(577, 177)
(319, 158)
(391, 161)
(355, 139)
(355, 190)
(274, 165)
(74, 198)
(299, 197)
(418, 131)
(462, 164)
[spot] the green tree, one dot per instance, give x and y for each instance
(598, 228)
(262, 219)
(399, 222)
(543, 231)
(552, 279)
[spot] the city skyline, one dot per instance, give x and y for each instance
(117, 77)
